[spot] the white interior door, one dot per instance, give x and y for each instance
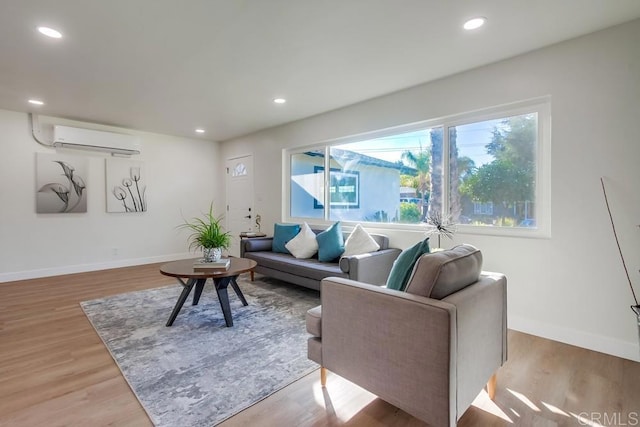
(240, 215)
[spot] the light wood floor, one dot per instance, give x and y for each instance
(55, 371)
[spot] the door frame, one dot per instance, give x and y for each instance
(251, 197)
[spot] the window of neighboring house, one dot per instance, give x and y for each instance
(494, 180)
(482, 208)
(344, 189)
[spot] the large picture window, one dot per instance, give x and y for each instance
(486, 171)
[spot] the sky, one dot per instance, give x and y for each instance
(472, 139)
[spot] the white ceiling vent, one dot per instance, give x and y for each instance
(87, 139)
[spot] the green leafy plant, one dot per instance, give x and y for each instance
(207, 232)
(409, 213)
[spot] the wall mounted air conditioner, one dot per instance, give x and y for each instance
(87, 139)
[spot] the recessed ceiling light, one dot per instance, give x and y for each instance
(199, 130)
(36, 102)
(279, 100)
(50, 32)
(474, 23)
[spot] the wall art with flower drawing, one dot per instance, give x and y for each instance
(126, 186)
(61, 183)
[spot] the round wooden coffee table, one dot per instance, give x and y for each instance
(222, 278)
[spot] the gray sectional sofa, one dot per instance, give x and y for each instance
(371, 267)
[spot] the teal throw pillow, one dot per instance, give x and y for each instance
(330, 243)
(282, 233)
(403, 265)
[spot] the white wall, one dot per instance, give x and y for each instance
(182, 179)
(570, 287)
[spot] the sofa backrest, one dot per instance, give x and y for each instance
(439, 274)
(380, 239)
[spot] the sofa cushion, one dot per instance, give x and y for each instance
(359, 242)
(310, 268)
(304, 245)
(282, 233)
(330, 243)
(439, 274)
(403, 265)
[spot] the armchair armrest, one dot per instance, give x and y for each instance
(372, 267)
(398, 346)
(481, 333)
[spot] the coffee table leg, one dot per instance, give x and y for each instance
(221, 288)
(186, 289)
(236, 288)
(199, 287)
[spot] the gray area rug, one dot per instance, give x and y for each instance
(198, 372)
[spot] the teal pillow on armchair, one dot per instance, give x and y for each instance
(403, 265)
(330, 243)
(282, 233)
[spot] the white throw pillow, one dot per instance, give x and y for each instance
(359, 242)
(304, 245)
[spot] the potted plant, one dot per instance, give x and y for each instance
(207, 234)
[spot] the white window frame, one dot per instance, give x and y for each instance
(541, 106)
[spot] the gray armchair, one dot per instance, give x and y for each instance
(429, 357)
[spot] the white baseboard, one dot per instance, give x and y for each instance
(602, 344)
(81, 268)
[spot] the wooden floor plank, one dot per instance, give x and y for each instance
(55, 371)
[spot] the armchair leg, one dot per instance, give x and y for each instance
(323, 376)
(491, 386)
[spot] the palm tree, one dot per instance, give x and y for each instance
(420, 161)
(435, 197)
(466, 167)
(459, 169)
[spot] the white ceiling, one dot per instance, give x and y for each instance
(169, 66)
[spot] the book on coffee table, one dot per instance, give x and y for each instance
(222, 264)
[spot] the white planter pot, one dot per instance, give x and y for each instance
(211, 254)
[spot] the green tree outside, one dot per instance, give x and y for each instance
(420, 161)
(409, 213)
(510, 177)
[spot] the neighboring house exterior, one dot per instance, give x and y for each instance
(363, 188)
